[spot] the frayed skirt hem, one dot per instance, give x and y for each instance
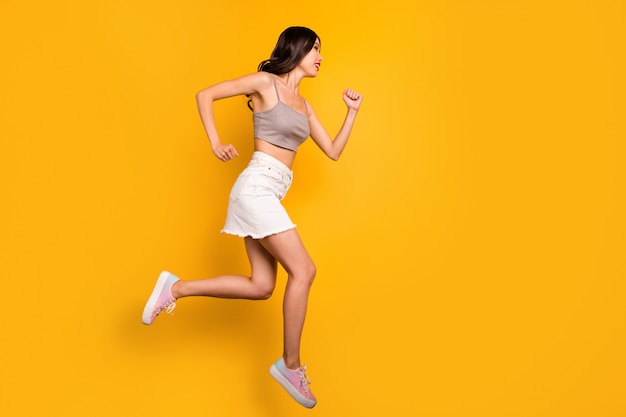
(256, 235)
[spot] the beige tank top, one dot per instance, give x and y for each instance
(282, 125)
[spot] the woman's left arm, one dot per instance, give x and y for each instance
(334, 148)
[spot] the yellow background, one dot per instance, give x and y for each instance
(470, 242)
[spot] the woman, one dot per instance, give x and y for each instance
(283, 119)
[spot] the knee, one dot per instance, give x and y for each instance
(312, 273)
(265, 295)
(263, 292)
(306, 274)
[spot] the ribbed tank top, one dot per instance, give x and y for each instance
(282, 125)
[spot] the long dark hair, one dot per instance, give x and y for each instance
(293, 44)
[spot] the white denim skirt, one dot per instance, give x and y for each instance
(254, 207)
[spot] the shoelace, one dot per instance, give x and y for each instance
(169, 307)
(304, 379)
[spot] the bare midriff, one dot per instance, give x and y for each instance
(283, 155)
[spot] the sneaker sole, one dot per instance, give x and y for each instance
(146, 317)
(295, 394)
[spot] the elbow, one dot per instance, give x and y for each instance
(200, 95)
(203, 100)
(203, 96)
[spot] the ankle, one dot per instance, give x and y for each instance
(291, 364)
(174, 289)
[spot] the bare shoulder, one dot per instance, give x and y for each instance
(309, 108)
(260, 77)
(262, 81)
(264, 96)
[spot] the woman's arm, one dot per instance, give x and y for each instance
(334, 148)
(248, 85)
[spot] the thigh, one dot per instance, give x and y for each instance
(262, 263)
(288, 249)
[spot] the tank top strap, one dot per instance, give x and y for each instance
(276, 88)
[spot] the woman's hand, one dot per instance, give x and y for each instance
(225, 152)
(352, 99)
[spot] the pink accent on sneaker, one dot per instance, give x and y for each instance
(161, 298)
(295, 382)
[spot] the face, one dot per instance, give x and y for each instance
(312, 61)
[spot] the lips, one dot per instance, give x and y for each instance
(317, 65)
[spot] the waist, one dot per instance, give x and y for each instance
(284, 156)
(264, 159)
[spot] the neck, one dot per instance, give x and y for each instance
(292, 80)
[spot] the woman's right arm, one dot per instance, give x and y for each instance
(247, 85)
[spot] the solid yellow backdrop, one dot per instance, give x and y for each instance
(470, 243)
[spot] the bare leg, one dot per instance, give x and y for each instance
(288, 249)
(259, 286)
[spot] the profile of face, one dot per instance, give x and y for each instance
(311, 62)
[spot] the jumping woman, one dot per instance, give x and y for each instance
(283, 120)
